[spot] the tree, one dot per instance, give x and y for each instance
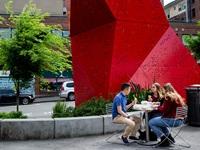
(193, 43)
(33, 48)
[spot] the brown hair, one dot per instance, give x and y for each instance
(170, 89)
(159, 89)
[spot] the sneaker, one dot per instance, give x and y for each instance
(133, 138)
(171, 139)
(125, 140)
(164, 142)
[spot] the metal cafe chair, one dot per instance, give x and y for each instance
(181, 113)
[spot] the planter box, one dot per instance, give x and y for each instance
(18, 129)
(78, 126)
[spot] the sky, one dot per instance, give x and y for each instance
(167, 1)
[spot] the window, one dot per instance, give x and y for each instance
(193, 13)
(193, 1)
(61, 33)
(58, 32)
(5, 33)
(64, 10)
(70, 85)
(174, 7)
(7, 92)
(168, 16)
(65, 33)
(13, 32)
(179, 9)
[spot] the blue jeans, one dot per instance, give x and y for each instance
(160, 125)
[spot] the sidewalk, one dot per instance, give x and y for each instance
(191, 134)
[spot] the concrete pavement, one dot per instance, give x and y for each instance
(191, 134)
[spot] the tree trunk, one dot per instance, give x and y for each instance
(17, 95)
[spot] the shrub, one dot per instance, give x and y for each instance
(94, 106)
(12, 115)
(138, 92)
(61, 110)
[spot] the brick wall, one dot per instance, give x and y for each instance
(185, 28)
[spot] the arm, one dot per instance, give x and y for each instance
(131, 104)
(165, 106)
(119, 107)
(150, 98)
(119, 110)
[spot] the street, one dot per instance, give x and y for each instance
(41, 108)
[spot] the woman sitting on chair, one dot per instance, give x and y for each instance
(155, 97)
(160, 125)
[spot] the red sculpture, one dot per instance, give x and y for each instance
(115, 41)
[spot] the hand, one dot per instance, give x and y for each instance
(155, 107)
(150, 98)
(134, 101)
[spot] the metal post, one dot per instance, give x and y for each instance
(147, 125)
(186, 11)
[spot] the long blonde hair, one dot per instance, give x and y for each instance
(159, 89)
(171, 90)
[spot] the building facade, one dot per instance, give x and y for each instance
(183, 16)
(195, 10)
(162, 2)
(183, 10)
(58, 11)
(176, 10)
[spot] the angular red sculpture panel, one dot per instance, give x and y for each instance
(113, 41)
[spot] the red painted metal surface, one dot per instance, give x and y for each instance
(113, 41)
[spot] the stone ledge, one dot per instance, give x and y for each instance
(25, 129)
(78, 126)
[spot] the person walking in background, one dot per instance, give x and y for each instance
(120, 116)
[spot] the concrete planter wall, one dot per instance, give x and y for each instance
(25, 129)
(79, 126)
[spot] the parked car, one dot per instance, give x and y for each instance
(8, 96)
(67, 90)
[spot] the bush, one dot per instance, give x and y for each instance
(138, 92)
(93, 107)
(61, 110)
(12, 115)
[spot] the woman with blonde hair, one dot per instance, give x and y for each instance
(155, 97)
(156, 94)
(160, 125)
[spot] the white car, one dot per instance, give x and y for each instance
(67, 90)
